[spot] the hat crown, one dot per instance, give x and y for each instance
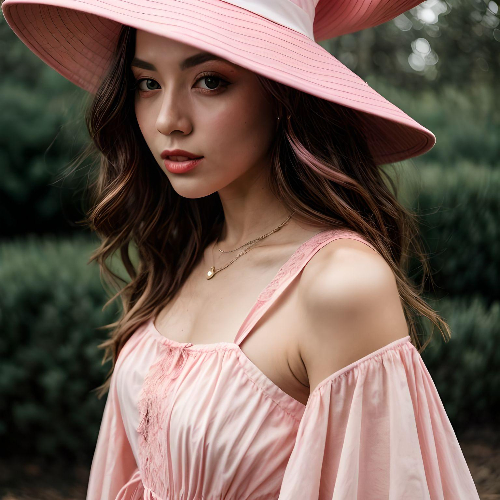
(295, 14)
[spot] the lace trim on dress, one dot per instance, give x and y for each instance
(154, 416)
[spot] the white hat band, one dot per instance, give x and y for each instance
(283, 12)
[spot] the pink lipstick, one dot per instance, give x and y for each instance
(179, 167)
(179, 161)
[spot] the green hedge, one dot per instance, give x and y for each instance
(466, 124)
(50, 308)
(465, 369)
(459, 213)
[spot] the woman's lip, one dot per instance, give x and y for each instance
(182, 158)
(179, 167)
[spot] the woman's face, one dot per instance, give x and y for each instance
(206, 106)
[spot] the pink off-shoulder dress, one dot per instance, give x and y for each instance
(202, 422)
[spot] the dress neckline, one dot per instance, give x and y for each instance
(263, 296)
(287, 272)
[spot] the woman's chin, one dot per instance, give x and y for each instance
(191, 188)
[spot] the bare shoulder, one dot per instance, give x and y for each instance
(350, 305)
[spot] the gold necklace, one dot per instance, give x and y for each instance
(212, 271)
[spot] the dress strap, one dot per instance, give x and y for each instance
(288, 272)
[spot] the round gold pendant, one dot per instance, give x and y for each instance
(211, 273)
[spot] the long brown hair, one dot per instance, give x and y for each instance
(321, 169)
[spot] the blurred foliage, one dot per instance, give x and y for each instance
(465, 369)
(50, 308)
(458, 210)
(41, 130)
(438, 42)
(466, 125)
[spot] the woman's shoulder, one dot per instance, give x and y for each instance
(346, 260)
(349, 298)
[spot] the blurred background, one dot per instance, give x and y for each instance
(439, 62)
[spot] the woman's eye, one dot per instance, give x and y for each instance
(140, 80)
(212, 83)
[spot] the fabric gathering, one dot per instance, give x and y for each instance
(201, 421)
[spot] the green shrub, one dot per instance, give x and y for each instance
(50, 308)
(465, 369)
(458, 212)
(40, 134)
(466, 124)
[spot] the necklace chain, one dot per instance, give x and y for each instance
(256, 239)
(249, 244)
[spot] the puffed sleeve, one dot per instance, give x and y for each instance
(377, 429)
(114, 474)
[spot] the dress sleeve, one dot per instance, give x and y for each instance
(113, 474)
(377, 429)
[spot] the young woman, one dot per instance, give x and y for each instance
(268, 346)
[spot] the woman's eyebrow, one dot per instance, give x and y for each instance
(199, 58)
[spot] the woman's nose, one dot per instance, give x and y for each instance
(173, 116)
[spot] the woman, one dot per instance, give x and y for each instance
(288, 368)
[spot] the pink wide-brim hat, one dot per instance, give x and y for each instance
(274, 38)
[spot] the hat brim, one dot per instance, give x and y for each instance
(78, 38)
(339, 17)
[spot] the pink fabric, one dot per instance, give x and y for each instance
(202, 422)
(377, 429)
